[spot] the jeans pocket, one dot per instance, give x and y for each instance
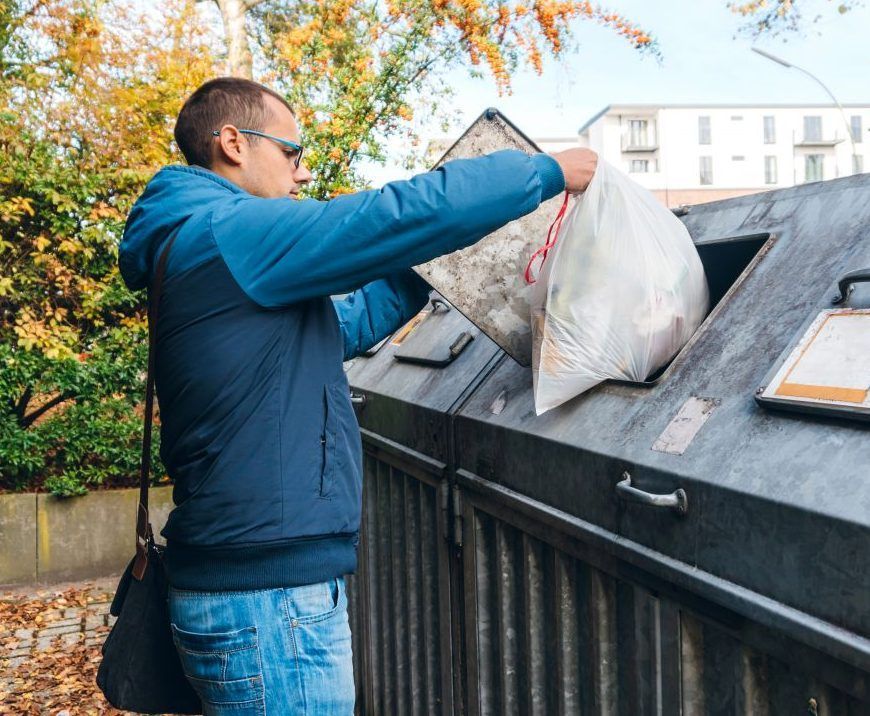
(224, 668)
(316, 602)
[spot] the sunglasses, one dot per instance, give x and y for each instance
(298, 148)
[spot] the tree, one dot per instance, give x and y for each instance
(356, 71)
(775, 17)
(88, 93)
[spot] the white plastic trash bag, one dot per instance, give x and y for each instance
(618, 295)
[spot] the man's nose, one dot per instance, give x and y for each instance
(302, 175)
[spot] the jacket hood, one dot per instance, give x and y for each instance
(172, 196)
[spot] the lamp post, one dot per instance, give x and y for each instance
(809, 74)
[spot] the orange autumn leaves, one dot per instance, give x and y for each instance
(45, 674)
(357, 73)
(88, 94)
(488, 29)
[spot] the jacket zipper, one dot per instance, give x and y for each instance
(323, 441)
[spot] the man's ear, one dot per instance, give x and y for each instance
(231, 146)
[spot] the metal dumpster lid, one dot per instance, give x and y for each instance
(485, 281)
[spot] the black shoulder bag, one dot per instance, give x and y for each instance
(140, 670)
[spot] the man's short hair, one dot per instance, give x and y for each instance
(224, 100)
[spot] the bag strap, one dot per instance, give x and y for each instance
(549, 244)
(143, 526)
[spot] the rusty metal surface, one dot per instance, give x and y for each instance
(485, 281)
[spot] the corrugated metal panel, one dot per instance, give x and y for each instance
(400, 605)
(548, 633)
(545, 632)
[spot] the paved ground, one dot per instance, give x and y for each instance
(50, 640)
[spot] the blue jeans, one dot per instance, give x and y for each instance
(267, 651)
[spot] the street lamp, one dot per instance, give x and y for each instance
(809, 74)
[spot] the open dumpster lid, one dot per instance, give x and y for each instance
(485, 281)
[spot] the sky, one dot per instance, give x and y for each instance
(704, 60)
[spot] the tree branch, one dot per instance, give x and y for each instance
(30, 419)
(387, 105)
(21, 407)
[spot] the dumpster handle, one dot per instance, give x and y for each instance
(455, 349)
(676, 500)
(845, 283)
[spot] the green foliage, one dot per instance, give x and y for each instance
(88, 94)
(85, 430)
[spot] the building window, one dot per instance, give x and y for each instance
(855, 125)
(812, 129)
(770, 170)
(769, 130)
(639, 166)
(857, 164)
(706, 170)
(638, 132)
(814, 167)
(704, 130)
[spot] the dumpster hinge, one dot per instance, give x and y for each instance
(457, 517)
(444, 506)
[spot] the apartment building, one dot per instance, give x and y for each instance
(689, 154)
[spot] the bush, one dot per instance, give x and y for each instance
(82, 424)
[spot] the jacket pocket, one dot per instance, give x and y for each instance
(340, 442)
(224, 669)
(327, 443)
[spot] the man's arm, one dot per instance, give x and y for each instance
(281, 251)
(373, 312)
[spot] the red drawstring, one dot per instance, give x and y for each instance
(557, 223)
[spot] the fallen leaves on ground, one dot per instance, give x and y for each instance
(60, 680)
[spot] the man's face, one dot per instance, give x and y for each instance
(264, 167)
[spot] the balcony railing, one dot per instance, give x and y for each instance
(817, 140)
(639, 144)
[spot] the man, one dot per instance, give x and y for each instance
(257, 427)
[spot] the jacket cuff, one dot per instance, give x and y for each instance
(413, 292)
(552, 179)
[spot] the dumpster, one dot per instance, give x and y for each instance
(697, 543)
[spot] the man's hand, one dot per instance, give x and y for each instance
(578, 166)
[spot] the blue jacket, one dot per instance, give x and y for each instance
(257, 428)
